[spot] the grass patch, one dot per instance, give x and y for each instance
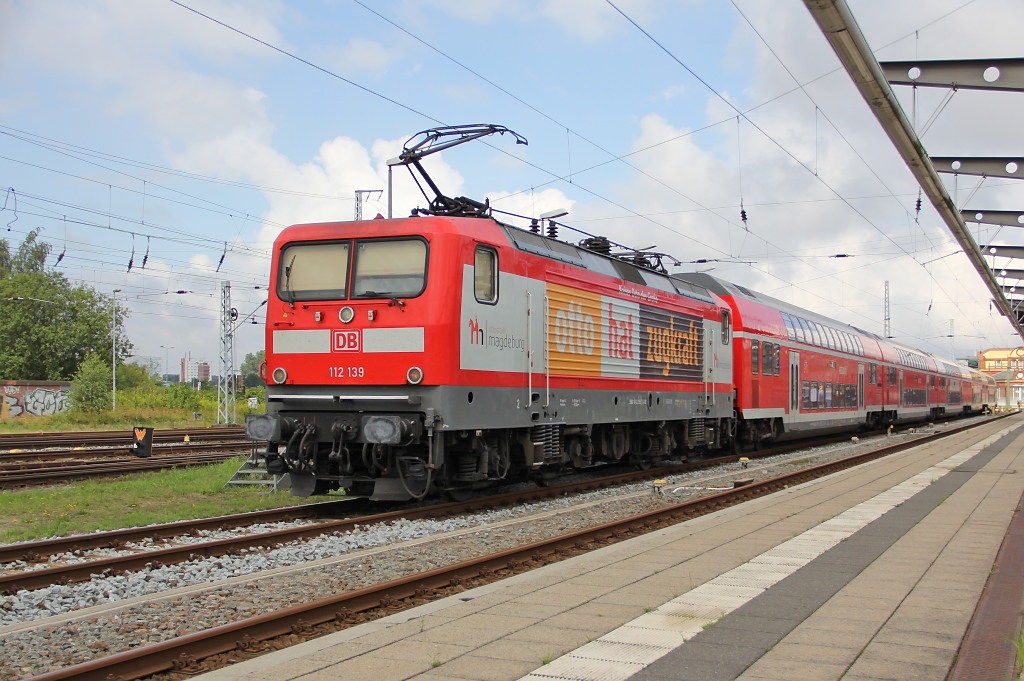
(132, 500)
(547, 659)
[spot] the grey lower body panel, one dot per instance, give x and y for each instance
(475, 408)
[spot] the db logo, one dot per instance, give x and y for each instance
(346, 341)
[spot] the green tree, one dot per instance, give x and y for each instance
(250, 368)
(29, 259)
(90, 388)
(48, 324)
(132, 377)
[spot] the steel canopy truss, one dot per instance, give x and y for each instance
(844, 35)
(1007, 218)
(1003, 251)
(959, 74)
(1011, 167)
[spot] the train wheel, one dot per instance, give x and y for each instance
(640, 463)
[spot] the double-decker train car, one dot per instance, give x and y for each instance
(796, 371)
(447, 352)
(442, 353)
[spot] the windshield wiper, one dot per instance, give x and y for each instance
(388, 295)
(287, 283)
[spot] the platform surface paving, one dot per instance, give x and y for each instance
(871, 573)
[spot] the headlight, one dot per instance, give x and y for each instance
(346, 314)
(279, 375)
(414, 375)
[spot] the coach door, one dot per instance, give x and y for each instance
(794, 382)
(860, 386)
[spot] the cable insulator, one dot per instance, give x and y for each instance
(743, 216)
(552, 230)
(534, 227)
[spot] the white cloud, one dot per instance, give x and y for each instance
(358, 56)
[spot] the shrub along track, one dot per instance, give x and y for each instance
(229, 643)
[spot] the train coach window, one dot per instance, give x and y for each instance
(805, 390)
(485, 275)
(828, 395)
(766, 359)
(389, 269)
(790, 327)
(778, 359)
(872, 374)
(755, 357)
(313, 271)
(806, 336)
(726, 327)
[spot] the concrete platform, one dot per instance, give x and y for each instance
(871, 573)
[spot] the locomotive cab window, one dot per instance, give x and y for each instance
(390, 269)
(726, 327)
(485, 275)
(313, 271)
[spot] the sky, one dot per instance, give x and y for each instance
(181, 137)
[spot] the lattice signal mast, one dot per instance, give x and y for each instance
(888, 324)
(227, 405)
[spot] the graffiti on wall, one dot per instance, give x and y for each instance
(28, 399)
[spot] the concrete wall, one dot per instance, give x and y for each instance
(33, 398)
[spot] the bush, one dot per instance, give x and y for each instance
(183, 396)
(90, 388)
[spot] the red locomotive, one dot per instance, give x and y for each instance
(449, 352)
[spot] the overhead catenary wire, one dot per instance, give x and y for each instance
(555, 175)
(142, 165)
(770, 138)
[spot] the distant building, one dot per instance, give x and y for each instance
(193, 370)
(1006, 365)
(153, 365)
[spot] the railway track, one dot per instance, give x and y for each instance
(52, 466)
(239, 640)
(38, 551)
(354, 508)
(117, 438)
